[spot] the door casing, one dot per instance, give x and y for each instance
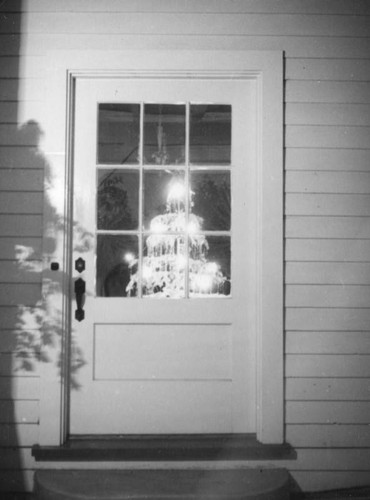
(265, 69)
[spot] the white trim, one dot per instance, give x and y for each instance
(266, 69)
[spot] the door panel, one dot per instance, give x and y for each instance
(147, 352)
(164, 189)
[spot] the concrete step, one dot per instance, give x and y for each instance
(169, 484)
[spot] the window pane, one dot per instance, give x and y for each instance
(210, 134)
(211, 199)
(164, 200)
(209, 266)
(118, 199)
(118, 133)
(164, 265)
(164, 134)
(116, 266)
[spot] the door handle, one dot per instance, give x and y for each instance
(80, 288)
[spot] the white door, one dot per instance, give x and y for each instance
(164, 243)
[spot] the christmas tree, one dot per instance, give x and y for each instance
(166, 261)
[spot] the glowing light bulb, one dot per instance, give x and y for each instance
(212, 267)
(180, 261)
(129, 257)
(204, 282)
(192, 227)
(147, 272)
(177, 191)
(158, 227)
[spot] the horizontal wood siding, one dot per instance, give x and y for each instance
(21, 208)
(327, 255)
(326, 47)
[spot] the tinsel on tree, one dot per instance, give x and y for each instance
(166, 262)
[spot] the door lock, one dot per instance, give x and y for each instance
(80, 265)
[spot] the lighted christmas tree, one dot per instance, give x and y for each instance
(166, 262)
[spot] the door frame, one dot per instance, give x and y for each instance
(265, 69)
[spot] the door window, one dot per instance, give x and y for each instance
(163, 218)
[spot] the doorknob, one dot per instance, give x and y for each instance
(80, 288)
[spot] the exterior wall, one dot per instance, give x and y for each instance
(327, 203)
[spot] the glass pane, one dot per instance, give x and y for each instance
(164, 134)
(118, 133)
(164, 265)
(209, 266)
(116, 266)
(164, 200)
(210, 134)
(211, 199)
(118, 199)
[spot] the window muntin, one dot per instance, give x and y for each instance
(163, 218)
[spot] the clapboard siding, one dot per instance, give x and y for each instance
(320, 47)
(313, 136)
(328, 412)
(8, 109)
(328, 91)
(329, 436)
(28, 248)
(10, 316)
(328, 365)
(326, 48)
(338, 159)
(23, 158)
(18, 364)
(14, 294)
(16, 68)
(22, 179)
(10, 87)
(188, 24)
(328, 182)
(326, 250)
(12, 272)
(11, 342)
(324, 342)
(327, 296)
(21, 388)
(318, 204)
(331, 319)
(350, 227)
(11, 458)
(11, 135)
(334, 70)
(22, 435)
(19, 412)
(21, 225)
(328, 389)
(327, 114)
(11, 113)
(356, 7)
(29, 202)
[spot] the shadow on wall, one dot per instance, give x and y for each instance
(31, 323)
(11, 480)
(39, 323)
